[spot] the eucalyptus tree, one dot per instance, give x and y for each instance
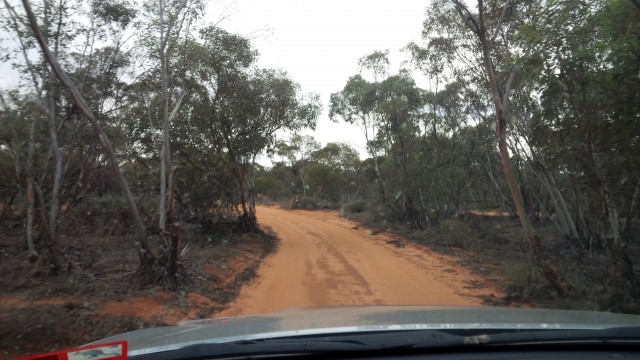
(398, 103)
(60, 31)
(166, 27)
(247, 119)
(297, 150)
(479, 46)
(355, 104)
(147, 257)
(334, 173)
(19, 127)
(236, 108)
(277, 182)
(95, 91)
(587, 85)
(55, 169)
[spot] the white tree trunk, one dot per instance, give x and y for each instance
(32, 253)
(54, 204)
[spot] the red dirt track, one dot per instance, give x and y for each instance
(324, 260)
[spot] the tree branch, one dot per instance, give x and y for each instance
(467, 17)
(505, 95)
(499, 24)
(177, 106)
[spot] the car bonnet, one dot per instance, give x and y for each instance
(349, 319)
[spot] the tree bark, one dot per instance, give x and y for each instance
(165, 153)
(32, 253)
(549, 272)
(50, 255)
(57, 158)
(165, 160)
(173, 230)
(631, 215)
(252, 188)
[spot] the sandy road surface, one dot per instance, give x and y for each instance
(326, 260)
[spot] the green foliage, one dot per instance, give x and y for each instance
(307, 203)
(99, 203)
(586, 124)
(456, 233)
(355, 103)
(227, 110)
(121, 13)
(357, 206)
(520, 275)
(331, 174)
(214, 196)
(238, 109)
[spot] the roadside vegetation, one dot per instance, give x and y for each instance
(518, 114)
(138, 117)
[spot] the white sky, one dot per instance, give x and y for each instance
(319, 42)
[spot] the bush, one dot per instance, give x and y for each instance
(520, 275)
(307, 203)
(356, 207)
(456, 233)
(96, 203)
(327, 204)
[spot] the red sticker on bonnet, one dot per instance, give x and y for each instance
(106, 351)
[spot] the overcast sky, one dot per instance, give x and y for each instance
(319, 42)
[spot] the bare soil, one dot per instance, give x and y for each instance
(325, 260)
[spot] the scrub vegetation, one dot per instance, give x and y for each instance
(512, 127)
(530, 110)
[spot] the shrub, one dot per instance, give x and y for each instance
(356, 207)
(96, 203)
(307, 203)
(456, 233)
(520, 275)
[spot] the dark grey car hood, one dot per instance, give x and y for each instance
(344, 319)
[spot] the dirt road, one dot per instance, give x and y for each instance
(326, 260)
